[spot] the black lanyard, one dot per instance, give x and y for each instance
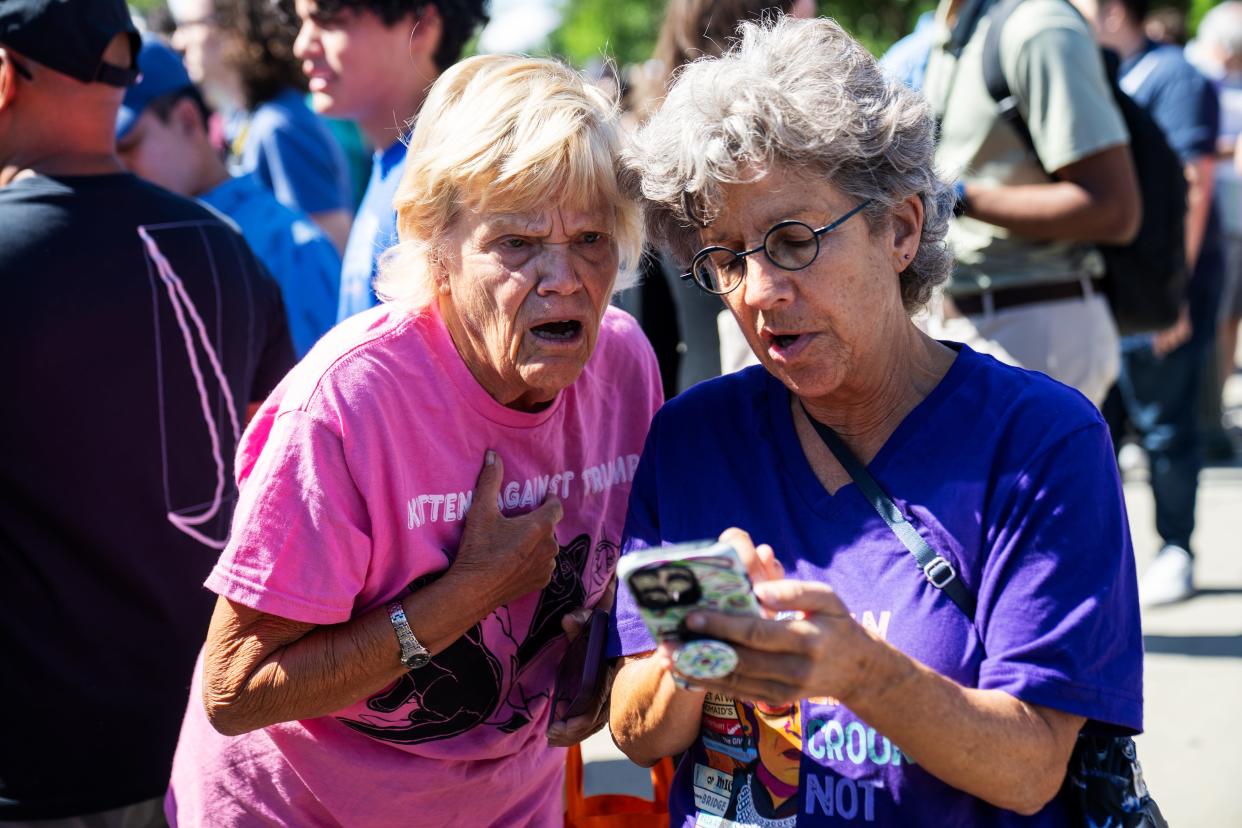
(938, 571)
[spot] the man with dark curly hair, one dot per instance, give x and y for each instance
(373, 61)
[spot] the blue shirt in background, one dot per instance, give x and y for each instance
(906, 60)
(1178, 98)
(300, 258)
(374, 231)
(1184, 104)
(293, 154)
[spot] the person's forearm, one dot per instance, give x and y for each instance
(260, 669)
(984, 742)
(1199, 182)
(1094, 199)
(650, 716)
(1060, 210)
(326, 669)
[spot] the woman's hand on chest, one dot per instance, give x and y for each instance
(501, 559)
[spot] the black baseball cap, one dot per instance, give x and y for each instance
(71, 36)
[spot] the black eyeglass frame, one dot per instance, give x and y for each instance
(738, 255)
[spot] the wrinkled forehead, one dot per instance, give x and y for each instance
(551, 217)
(567, 205)
(749, 208)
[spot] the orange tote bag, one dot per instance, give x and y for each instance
(615, 810)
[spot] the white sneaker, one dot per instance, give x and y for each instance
(1132, 460)
(1169, 579)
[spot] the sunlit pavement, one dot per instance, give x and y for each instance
(1192, 749)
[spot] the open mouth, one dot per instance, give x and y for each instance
(559, 331)
(783, 341)
(785, 346)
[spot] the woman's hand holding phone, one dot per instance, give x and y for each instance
(760, 561)
(584, 682)
(811, 647)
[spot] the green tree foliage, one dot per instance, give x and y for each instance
(625, 30)
(1195, 12)
(876, 25)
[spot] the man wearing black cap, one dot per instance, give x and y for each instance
(139, 326)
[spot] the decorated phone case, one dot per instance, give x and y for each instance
(668, 583)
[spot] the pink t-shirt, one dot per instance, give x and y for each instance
(356, 477)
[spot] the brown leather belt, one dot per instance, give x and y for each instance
(1012, 297)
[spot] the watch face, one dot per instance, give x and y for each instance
(416, 660)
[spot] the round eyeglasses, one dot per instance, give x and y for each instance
(790, 245)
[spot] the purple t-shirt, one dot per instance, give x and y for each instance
(1007, 474)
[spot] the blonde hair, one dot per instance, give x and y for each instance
(506, 133)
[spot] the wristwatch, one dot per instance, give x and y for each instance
(413, 654)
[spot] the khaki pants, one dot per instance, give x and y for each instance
(1074, 341)
(146, 814)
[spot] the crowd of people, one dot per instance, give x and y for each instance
(315, 464)
(1031, 222)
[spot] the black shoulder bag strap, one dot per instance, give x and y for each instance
(994, 74)
(967, 21)
(938, 571)
(1104, 781)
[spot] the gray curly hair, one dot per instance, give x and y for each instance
(801, 93)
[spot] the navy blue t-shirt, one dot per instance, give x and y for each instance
(140, 327)
(1185, 106)
(1007, 474)
(291, 152)
(1178, 98)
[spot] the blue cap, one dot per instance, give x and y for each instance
(162, 72)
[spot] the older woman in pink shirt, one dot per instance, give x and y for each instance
(430, 493)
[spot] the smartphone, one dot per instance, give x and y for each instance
(668, 583)
(583, 670)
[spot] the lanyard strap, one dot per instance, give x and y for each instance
(938, 571)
